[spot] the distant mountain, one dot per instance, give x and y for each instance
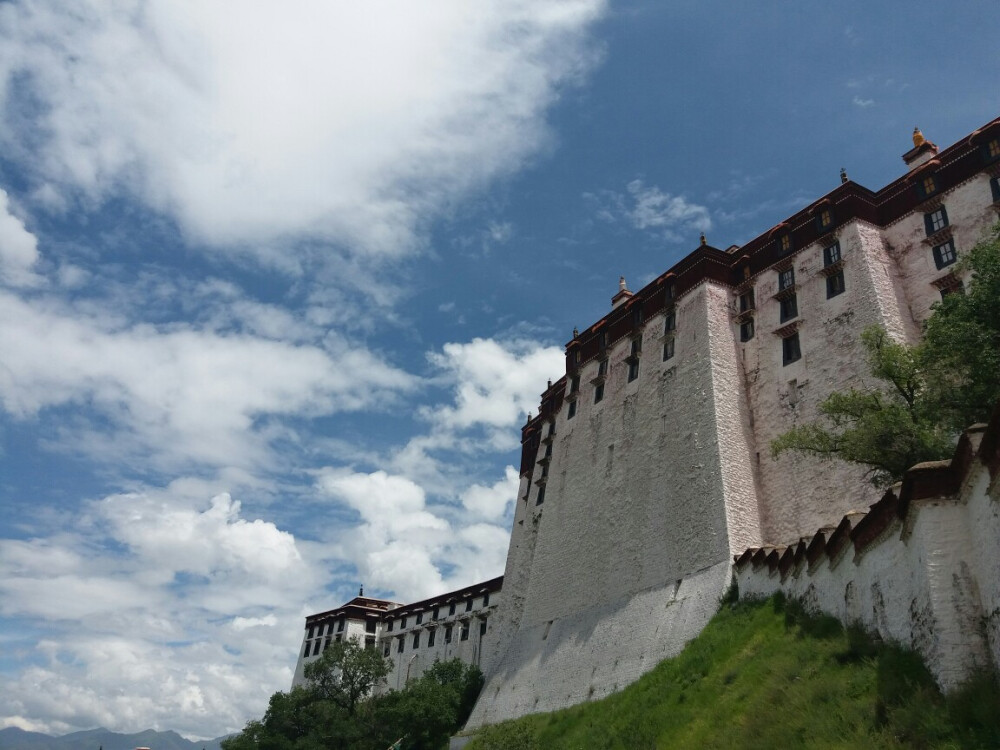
(13, 738)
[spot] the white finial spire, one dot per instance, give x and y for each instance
(621, 285)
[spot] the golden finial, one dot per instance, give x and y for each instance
(918, 137)
(703, 240)
(843, 175)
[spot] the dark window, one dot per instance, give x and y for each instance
(430, 637)
(789, 308)
(598, 393)
(436, 612)
(636, 347)
(402, 623)
(340, 625)
(465, 632)
(572, 410)
(669, 292)
(451, 608)
(991, 150)
(602, 368)
(637, 314)
(835, 284)
(370, 641)
(552, 429)
(670, 321)
(746, 301)
(668, 349)
(602, 340)
(548, 452)
(420, 617)
(831, 254)
(576, 356)
(388, 627)
(790, 351)
(944, 255)
(386, 650)
(400, 645)
(447, 634)
(416, 639)
(746, 330)
(305, 653)
(824, 220)
(486, 599)
(633, 370)
(633, 360)
(326, 643)
(574, 384)
(959, 288)
(785, 244)
(338, 637)
(370, 626)
(482, 628)
(316, 645)
(468, 604)
(786, 279)
(539, 499)
(995, 188)
(309, 633)
(935, 221)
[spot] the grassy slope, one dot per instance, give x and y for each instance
(763, 675)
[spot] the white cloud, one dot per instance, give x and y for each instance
(160, 610)
(648, 208)
(359, 121)
(177, 393)
(492, 502)
(863, 103)
(18, 248)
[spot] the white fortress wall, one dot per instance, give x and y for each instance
(633, 536)
(921, 568)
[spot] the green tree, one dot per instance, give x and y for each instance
(960, 353)
(888, 428)
(346, 673)
(924, 395)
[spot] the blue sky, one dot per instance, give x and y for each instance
(279, 285)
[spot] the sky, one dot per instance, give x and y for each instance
(280, 282)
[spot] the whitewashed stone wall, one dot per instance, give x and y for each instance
(924, 572)
(353, 629)
(626, 558)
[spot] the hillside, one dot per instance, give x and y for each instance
(13, 738)
(764, 675)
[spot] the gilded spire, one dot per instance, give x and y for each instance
(703, 240)
(918, 137)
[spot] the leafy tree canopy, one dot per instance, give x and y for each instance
(923, 395)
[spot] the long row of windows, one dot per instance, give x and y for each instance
(463, 635)
(435, 613)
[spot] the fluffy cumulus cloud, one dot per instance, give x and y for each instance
(122, 649)
(179, 392)
(348, 121)
(648, 208)
(18, 247)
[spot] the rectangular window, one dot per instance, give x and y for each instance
(935, 221)
(370, 641)
(747, 301)
(746, 330)
(633, 370)
(326, 643)
(451, 608)
(790, 351)
(668, 349)
(669, 293)
(465, 632)
(430, 637)
(316, 645)
(370, 626)
(486, 599)
(602, 368)
(539, 499)
(995, 189)
(309, 633)
(400, 645)
(670, 322)
(825, 219)
(835, 284)
(468, 604)
(598, 393)
(993, 149)
(388, 626)
(386, 650)
(637, 314)
(789, 308)
(482, 628)
(416, 639)
(435, 613)
(786, 279)
(944, 255)
(420, 617)
(402, 623)
(340, 625)
(574, 384)
(572, 410)
(786, 243)
(928, 186)
(636, 347)
(338, 637)
(305, 653)
(831, 254)
(447, 634)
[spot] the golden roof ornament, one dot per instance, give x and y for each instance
(703, 240)
(843, 175)
(918, 137)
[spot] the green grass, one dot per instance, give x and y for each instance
(767, 675)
